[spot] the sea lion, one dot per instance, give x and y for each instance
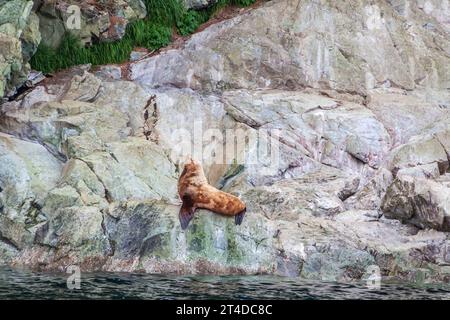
(196, 192)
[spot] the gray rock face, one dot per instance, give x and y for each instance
(199, 4)
(28, 173)
(360, 134)
(313, 47)
(19, 38)
(213, 246)
(88, 20)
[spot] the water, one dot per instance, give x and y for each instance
(22, 284)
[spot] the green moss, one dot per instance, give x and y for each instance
(199, 241)
(235, 252)
(204, 243)
(234, 170)
(159, 246)
(152, 33)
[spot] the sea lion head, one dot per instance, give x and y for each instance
(193, 166)
(193, 172)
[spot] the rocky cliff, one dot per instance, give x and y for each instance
(19, 39)
(358, 92)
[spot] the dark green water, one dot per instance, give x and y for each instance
(22, 284)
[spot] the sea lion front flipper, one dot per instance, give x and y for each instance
(239, 217)
(186, 212)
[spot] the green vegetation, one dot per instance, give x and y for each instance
(152, 33)
(71, 52)
(165, 12)
(190, 21)
(243, 3)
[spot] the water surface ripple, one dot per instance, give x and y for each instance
(23, 284)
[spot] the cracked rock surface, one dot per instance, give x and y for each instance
(358, 92)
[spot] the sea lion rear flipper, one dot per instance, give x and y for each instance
(186, 212)
(239, 217)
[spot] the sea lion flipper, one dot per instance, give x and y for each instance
(239, 217)
(186, 212)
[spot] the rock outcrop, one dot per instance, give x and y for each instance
(318, 44)
(420, 201)
(19, 39)
(353, 98)
(90, 21)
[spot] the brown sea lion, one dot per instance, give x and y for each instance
(196, 192)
